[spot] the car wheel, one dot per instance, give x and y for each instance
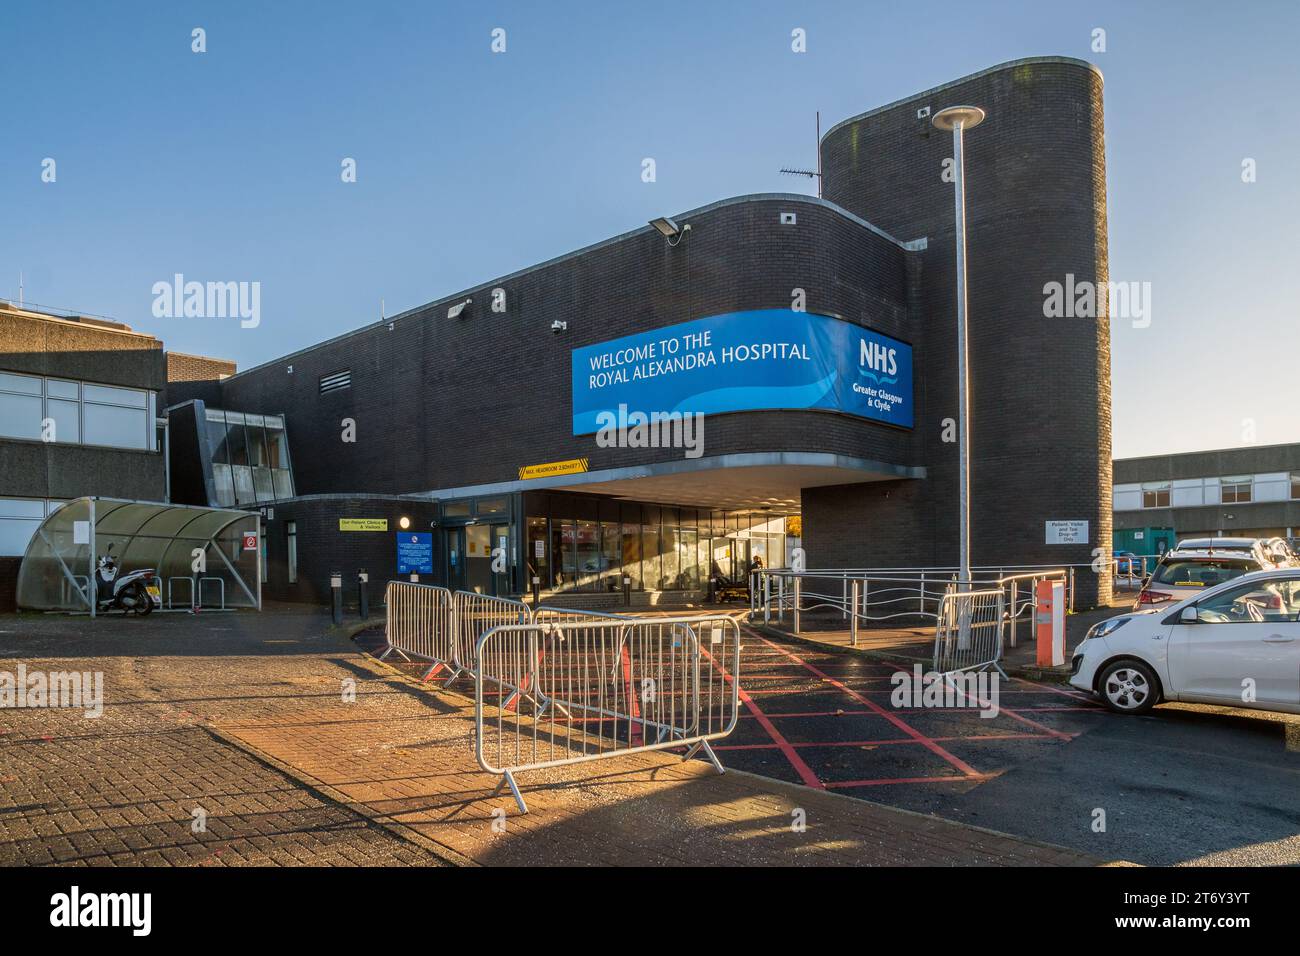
(1129, 687)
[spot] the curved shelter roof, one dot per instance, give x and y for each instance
(61, 556)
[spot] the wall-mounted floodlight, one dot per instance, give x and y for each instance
(455, 311)
(667, 228)
(670, 230)
(404, 522)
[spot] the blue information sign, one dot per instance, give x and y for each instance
(745, 361)
(415, 552)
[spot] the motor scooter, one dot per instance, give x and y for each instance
(136, 591)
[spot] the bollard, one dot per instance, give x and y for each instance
(796, 604)
(363, 593)
(415, 577)
(537, 590)
(853, 619)
(627, 590)
(767, 599)
(336, 587)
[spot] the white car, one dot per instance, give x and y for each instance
(1236, 643)
(1193, 567)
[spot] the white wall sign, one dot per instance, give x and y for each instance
(1067, 532)
(81, 532)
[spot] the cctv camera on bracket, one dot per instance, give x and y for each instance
(559, 326)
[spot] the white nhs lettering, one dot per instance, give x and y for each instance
(878, 358)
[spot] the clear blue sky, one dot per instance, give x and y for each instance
(225, 165)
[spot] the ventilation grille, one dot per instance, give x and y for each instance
(335, 381)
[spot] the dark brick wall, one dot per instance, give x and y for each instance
(442, 403)
(323, 548)
(1040, 388)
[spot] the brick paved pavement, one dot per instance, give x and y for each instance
(244, 716)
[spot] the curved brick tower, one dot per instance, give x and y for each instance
(1040, 387)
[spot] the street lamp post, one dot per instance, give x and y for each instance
(959, 119)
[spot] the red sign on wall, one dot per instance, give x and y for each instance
(250, 540)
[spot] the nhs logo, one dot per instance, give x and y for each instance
(878, 362)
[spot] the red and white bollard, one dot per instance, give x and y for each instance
(1050, 622)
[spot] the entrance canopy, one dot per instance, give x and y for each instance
(59, 567)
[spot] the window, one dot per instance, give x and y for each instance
(336, 381)
(1155, 496)
(1258, 603)
(1236, 490)
(291, 549)
(1201, 573)
(19, 519)
(250, 458)
(492, 506)
(69, 412)
(1295, 485)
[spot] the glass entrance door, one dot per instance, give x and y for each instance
(454, 549)
(478, 559)
(501, 560)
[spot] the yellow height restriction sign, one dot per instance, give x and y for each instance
(573, 466)
(363, 524)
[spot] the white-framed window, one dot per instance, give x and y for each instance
(19, 519)
(1155, 495)
(41, 408)
(1236, 490)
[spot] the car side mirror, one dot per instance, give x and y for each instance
(1188, 616)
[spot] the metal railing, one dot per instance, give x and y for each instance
(968, 635)
(565, 692)
(888, 596)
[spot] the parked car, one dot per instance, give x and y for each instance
(1235, 643)
(1186, 571)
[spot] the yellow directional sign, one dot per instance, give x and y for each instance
(363, 524)
(573, 466)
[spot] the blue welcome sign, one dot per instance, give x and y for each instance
(746, 361)
(415, 552)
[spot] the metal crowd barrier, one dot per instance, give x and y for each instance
(475, 615)
(564, 692)
(969, 632)
(420, 626)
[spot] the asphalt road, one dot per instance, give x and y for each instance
(1185, 785)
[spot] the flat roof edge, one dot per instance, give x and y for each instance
(997, 68)
(680, 466)
(907, 246)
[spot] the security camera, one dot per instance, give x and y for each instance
(559, 326)
(456, 310)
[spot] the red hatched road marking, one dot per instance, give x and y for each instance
(902, 725)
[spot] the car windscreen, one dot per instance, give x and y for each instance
(1200, 573)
